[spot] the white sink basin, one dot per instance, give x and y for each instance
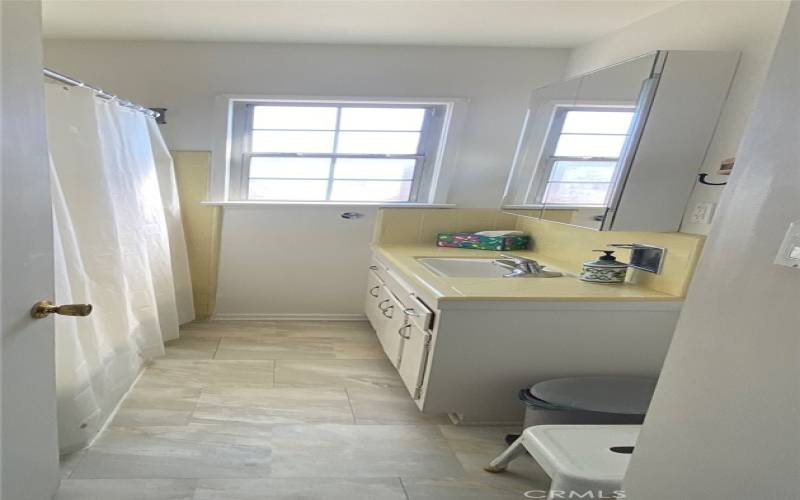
(452, 267)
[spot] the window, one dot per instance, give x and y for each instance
(335, 152)
(581, 155)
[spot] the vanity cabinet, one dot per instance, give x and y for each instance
(468, 358)
(402, 323)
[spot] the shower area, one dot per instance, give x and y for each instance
(119, 246)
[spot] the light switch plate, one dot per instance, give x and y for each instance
(702, 213)
(789, 253)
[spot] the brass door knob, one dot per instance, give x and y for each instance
(44, 307)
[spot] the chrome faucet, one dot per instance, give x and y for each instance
(522, 267)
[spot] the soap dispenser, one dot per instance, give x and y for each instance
(606, 269)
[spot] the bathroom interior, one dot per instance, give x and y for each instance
(399, 250)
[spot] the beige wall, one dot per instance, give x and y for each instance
(564, 246)
(751, 27)
(201, 226)
(723, 424)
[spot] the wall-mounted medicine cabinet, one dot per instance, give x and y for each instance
(620, 148)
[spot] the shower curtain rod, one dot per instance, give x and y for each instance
(54, 75)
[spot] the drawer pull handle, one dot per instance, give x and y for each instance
(374, 268)
(404, 327)
(381, 305)
(374, 291)
(388, 312)
(410, 311)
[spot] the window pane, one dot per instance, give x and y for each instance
(597, 122)
(607, 146)
(378, 142)
(371, 190)
(374, 168)
(583, 193)
(307, 168)
(287, 190)
(294, 117)
(583, 171)
(292, 142)
(382, 118)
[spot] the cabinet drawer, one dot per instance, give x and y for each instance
(379, 268)
(416, 310)
(418, 313)
(372, 299)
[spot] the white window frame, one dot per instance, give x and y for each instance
(229, 176)
(548, 159)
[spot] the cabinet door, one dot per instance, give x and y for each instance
(394, 318)
(416, 346)
(373, 298)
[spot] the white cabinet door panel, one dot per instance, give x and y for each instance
(388, 333)
(414, 359)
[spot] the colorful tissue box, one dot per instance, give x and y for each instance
(478, 242)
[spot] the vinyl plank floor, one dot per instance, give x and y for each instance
(189, 451)
(329, 450)
(191, 348)
(336, 373)
(126, 489)
(274, 406)
(276, 347)
(243, 410)
(311, 488)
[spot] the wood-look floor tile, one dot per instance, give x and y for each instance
(329, 450)
(307, 488)
(190, 348)
(388, 405)
(336, 373)
(180, 373)
(274, 406)
(126, 489)
(272, 347)
(190, 451)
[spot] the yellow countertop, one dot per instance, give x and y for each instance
(403, 259)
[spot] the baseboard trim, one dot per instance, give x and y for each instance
(287, 317)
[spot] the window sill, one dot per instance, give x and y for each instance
(324, 204)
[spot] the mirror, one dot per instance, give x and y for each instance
(572, 148)
(583, 138)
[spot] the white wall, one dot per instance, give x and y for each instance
(751, 27)
(723, 424)
(270, 257)
(185, 77)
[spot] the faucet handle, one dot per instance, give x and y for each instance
(515, 258)
(529, 265)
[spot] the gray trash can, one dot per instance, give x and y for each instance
(588, 400)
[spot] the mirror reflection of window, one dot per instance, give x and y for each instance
(582, 154)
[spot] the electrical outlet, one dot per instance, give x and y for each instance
(702, 213)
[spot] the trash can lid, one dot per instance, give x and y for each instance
(622, 395)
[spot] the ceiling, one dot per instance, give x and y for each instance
(520, 23)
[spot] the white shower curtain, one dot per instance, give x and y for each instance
(113, 230)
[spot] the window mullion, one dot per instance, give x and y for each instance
(335, 148)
